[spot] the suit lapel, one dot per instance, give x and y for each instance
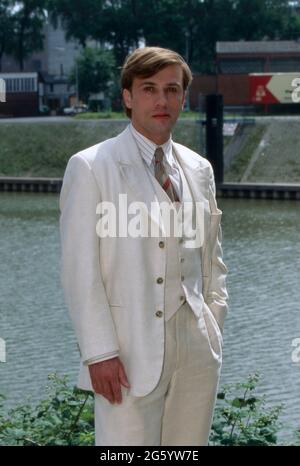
(197, 178)
(196, 175)
(137, 179)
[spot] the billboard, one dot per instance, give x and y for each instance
(274, 88)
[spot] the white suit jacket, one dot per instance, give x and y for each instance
(110, 283)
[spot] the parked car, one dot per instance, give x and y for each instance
(44, 110)
(75, 109)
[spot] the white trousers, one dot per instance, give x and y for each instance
(179, 410)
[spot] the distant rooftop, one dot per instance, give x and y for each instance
(264, 46)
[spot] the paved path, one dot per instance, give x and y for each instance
(47, 119)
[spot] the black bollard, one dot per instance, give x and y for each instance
(214, 134)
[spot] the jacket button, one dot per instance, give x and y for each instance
(182, 278)
(182, 298)
(159, 280)
(159, 313)
(161, 244)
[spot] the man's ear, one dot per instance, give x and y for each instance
(183, 100)
(127, 98)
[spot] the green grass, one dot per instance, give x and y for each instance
(241, 161)
(278, 161)
(43, 148)
(100, 116)
(117, 115)
(279, 158)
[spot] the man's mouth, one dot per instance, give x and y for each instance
(161, 115)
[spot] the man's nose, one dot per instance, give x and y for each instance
(161, 97)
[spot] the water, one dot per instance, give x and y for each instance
(261, 250)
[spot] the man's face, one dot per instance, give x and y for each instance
(156, 102)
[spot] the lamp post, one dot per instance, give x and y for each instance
(59, 94)
(63, 49)
(77, 82)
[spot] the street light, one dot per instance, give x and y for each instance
(62, 49)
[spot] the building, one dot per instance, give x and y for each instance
(53, 66)
(23, 94)
(236, 60)
(243, 57)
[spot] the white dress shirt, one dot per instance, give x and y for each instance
(147, 149)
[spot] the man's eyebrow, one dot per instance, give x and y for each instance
(147, 83)
(151, 83)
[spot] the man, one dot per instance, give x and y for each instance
(148, 308)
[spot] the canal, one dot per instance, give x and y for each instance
(261, 250)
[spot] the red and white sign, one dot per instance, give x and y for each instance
(274, 88)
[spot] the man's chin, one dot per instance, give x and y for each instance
(163, 124)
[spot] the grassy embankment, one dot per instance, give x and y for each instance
(271, 150)
(43, 148)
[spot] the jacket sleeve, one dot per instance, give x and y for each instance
(80, 263)
(217, 293)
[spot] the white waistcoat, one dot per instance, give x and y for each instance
(183, 278)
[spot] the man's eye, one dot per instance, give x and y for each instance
(149, 89)
(172, 89)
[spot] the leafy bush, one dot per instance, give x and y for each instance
(66, 417)
(242, 417)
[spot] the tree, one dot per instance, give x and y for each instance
(95, 71)
(114, 22)
(28, 21)
(191, 27)
(121, 25)
(6, 27)
(79, 18)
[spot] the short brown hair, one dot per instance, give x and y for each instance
(147, 61)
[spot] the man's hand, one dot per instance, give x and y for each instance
(106, 378)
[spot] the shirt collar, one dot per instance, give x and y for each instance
(148, 147)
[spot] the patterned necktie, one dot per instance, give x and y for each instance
(162, 177)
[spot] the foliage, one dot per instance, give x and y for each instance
(242, 417)
(65, 417)
(6, 27)
(95, 71)
(27, 19)
(190, 27)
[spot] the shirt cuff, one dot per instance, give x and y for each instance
(104, 357)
